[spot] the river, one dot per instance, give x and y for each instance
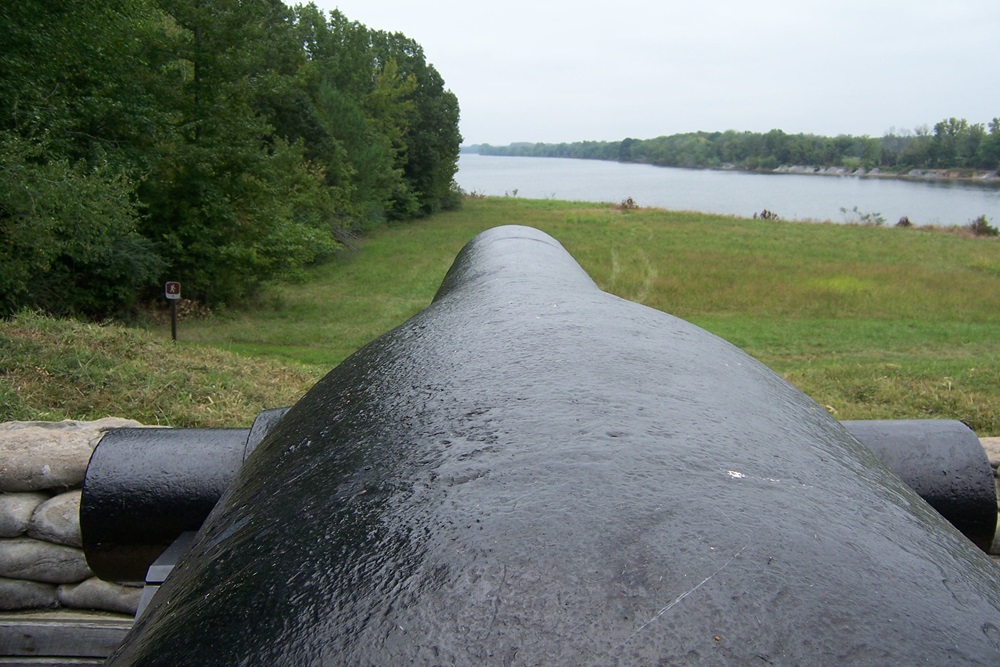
(791, 196)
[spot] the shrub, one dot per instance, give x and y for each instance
(874, 218)
(982, 227)
(452, 200)
(68, 235)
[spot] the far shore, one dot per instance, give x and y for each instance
(986, 177)
(925, 175)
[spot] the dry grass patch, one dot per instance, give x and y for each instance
(63, 369)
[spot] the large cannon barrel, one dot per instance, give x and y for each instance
(146, 487)
(943, 461)
(532, 471)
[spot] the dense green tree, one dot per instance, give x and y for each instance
(68, 234)
(72, 74)
(399, 106)
(944, 147)
(989, 148)
(75, 122)
(427, 119)
(340, 76)
(917, 151)
(233, 199)
(432, 140)
(222, 143)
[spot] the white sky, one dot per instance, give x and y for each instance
(580, 70)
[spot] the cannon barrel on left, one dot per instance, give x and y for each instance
(144, 487)
(532, 471)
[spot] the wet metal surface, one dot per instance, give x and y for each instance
(533, 472)
(146, 486)
(262, 425)
(944, 462)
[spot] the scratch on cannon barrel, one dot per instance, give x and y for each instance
(534, 472)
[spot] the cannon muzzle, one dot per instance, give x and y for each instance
(534, 472)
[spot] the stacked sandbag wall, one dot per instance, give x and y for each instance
(992, 447)
(42, 565)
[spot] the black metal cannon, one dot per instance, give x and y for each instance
(145, 488)
(532, 471)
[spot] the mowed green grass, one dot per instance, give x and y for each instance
(872, 322)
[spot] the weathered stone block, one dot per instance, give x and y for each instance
(96, 594)
(57, 520)
(36, 458)
(992, 447)
(49, 455)
(19, 594)
(16, 510)
(24, 558)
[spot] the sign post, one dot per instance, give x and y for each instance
(172, 290)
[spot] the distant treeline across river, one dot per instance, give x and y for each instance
(790, 196)
(953, 144)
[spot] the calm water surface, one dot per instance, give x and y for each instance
(791, 196)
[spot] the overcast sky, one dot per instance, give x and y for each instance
(580, 70)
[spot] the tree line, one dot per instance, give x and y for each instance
(951, 144)
(220, 143)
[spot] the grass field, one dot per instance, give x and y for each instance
(872, 322)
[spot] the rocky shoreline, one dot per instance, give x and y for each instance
(926, 175)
